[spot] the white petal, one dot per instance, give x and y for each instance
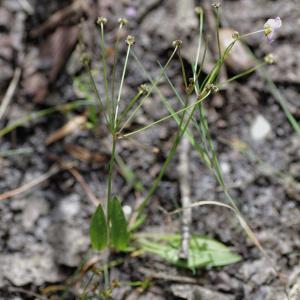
(278, 23)
(274, 23)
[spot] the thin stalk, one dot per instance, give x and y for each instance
(88, 69)
(281, 100)
(42, 113)
(180, 133)
(110, 175)
(171, 110)
(121, 85)
(165, 118)
(154, 84)
(251, 70)
(183, 70)
(104, 69)
(277, 95)
(251, 33)
(217, 31)
(129, 106)
(199, 44)
(116, 56)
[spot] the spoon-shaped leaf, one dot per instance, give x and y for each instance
(98, 229)
(119, 232)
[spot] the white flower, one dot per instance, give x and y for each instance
(270, 28)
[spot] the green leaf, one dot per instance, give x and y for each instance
(119, 233)
(203, 251)
(98, 229)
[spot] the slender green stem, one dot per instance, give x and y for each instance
(104, 69)
(121, 85)
(129, 106)
(251, 70)
(281, 100)
(88, 69)
(110, 174)
(106, 278)
(171, 110)
(181, 131)
(277, 95)
(182, 70)
(251, 33)
(217, 31)
(199, 44)
(116, 57)
(42, 113)
(154, 84)
(165, 118)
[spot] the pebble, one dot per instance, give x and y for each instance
(70, 206)
(260, 128)
(127, 211)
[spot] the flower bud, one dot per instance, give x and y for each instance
(177, 43)
(101, 21)
(211, 88)
(216, 5)
(269, 59)
(198, 10)
(143, 89)
(123, 21)
(130, 40)
(235, 35)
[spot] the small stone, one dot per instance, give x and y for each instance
(258, 271)
(225, 167)
(191, 292)
(127, 211)
(36, 206)
(35, 268)
(260, 128)
(70, 206)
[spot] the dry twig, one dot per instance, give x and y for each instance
(185, 190)
(10, 92)
(85, 186)
(29, 185)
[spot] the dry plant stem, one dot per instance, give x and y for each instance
(27, 7)
(91, 196)
(10, 92)
(28, 293)
(29, 185)
(167, 277)
(185, 190)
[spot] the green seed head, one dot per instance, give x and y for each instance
(269, 59)
(101, 21)
(216, 5)
(198, 10)
(236, 35)
(130, 40)
(123, 21)
(177, 44)
(143, 89)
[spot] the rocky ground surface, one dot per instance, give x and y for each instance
(44, 231)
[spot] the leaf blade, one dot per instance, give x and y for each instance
(119, 230)
(98, 229)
